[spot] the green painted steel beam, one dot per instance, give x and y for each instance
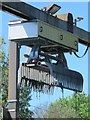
(21, 31)
(26, 11)
(58, 36)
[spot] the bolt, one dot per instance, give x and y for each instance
(76, 43)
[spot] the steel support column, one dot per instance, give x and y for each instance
(13, 79)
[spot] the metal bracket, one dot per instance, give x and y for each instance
(11, 101)
(34, 54)
(12, 110)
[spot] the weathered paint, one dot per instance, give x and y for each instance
(30, 32)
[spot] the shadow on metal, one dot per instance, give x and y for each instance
(6, 114)
(42, 77)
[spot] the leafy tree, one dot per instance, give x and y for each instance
(60, 109)
(40, 111)
(24, 105)
(4, 73)
(75, 107)
(24, 92)
(80, 104)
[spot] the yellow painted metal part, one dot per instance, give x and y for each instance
(57, 35)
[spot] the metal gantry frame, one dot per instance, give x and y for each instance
(29, 12)
(13, 96)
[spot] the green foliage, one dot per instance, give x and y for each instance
(4, 73)
(3, 76)
(24, 105)
(75, 107)
(60, 109)
(24, 93)
(80, 103)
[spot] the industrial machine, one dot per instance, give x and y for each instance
(49, 36)
(48, 45)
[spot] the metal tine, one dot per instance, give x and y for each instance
(25, 82)
(52, 78)
(31, 86)
(20, 73)
(52, 90)
(48, 89)
(47, 78)
(43, 77)
(31, 74)
(34, 74)
(28, 83)
(34, 86)
(44, 89)
(40, 76)
(23, 71)
(28, 73)
(40, 90)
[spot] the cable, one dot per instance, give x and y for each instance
(83, 54)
